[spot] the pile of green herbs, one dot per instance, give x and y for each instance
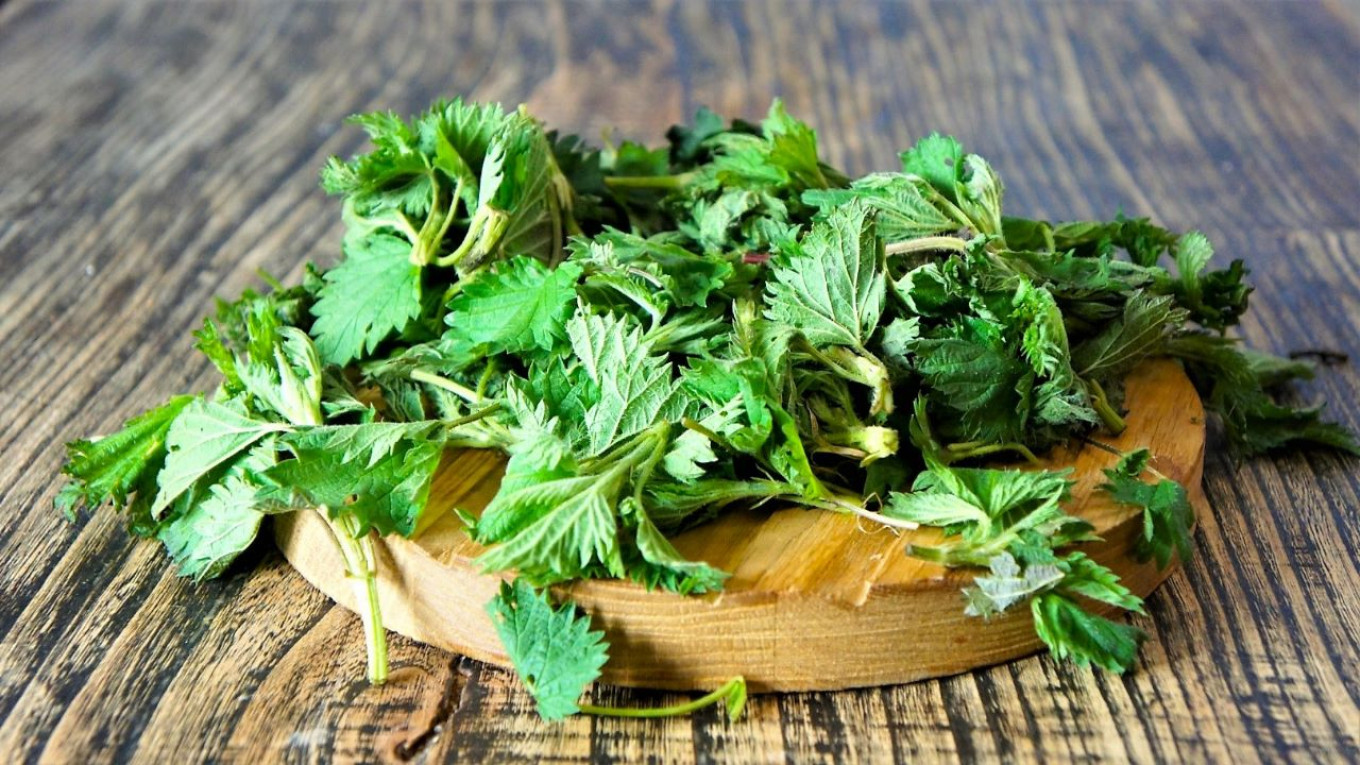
(655, 336)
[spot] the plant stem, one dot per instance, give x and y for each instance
(675, 709)
(971, 449)
(1113, 422)
(926, 244)
(1104, 447)
(665, 182)
(841, 505)
(461, 391)
(361, 568)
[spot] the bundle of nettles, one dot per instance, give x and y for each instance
(657, 336)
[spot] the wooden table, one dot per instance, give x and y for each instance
(153, 155)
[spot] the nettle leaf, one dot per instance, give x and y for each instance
(637, 389)
(938, 160)
(902, 209)
(793, 147)
(520, 198)
(554, 651)
(1168, 517)
(203, 437)
(1215, 299)
(1008, 584)
(122, 465)
(830, 286)
(1141, 332)
(519, 305)
(378, 473)
(664, 566)
(561, 529)
(1072, 633)
(686, 278)
(1089, 579)
(207, 537)
(972, 370)
(370, 295)
(1254, 422)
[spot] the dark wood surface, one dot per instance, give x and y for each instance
(153, 155)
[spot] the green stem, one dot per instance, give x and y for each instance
(1113, 422)
(361, 568)
(927, 244)
(692, 424)
(725, 692)
(840, 504)
(475, 227)
(467, 394)
(970, 449)
(665, 182)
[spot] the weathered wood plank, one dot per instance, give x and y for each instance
(156, 153)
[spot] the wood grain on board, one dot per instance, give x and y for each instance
(156, 154)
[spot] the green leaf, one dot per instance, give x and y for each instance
(1141, 332)
(665, 566)
(378, 473)
(1085, 638)
(554, 651)
(517, 306)
(1168, 517)
(902, 210)
(112, 468)
(574, 524)
(1008, 584)
(373, 293)
(204, 437)
(206, 538)
(971, 369)
(793, 147)
(830, 286)
(286, 376)
(1089, 579)
(687, 279)
(1233, 386)
(990, 510)
(1215, 299)
(938, 160)
(637, 389)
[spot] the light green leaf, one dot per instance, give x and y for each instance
(111, 468)
(831, 285)
(205, 436)
(637, 389)
(1085, 638)
(518, 305)
(554, 651)
(368, 296)
(206, 538)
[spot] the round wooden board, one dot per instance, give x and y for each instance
(816, 601)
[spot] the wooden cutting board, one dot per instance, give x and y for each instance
(817, 600)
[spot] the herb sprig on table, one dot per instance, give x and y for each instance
(654, 336)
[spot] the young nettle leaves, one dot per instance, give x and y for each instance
(121, 469)
(657, 335)
(554, 651)
(1168, 518)
(830, 287)
(203, 438)
(1012, 524)
(519, 306)
(558, 656)
(210, 534)
(374, 292)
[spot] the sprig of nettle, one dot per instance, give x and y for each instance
(656, 335)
